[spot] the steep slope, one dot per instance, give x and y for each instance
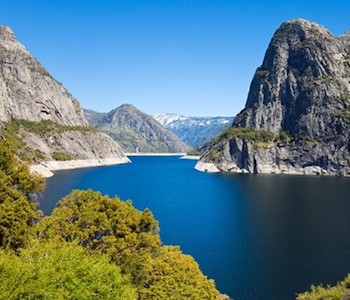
(135, 130)
(346, 39)
(297, 115)
(194, 131)
(28, 92)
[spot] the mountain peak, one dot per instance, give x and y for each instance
(9, 41)
(304, 24)
(136, 131)
(127, 106)
(6, 33)
(301, 95)
(304, 66)
(298, 30)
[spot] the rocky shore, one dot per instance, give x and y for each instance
(154, 154)
(46, 168)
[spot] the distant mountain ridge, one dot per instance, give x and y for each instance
(136, 131)
(194, 131)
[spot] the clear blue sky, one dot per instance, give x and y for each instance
(190, 57)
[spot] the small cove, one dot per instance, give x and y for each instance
(258, 236)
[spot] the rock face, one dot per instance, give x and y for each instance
(136, 131)
(301, 93)
(29, 92)
(194, 131)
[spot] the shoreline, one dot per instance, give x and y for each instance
(206, 167)
(154, 154)
(46, 168)
(191, 157)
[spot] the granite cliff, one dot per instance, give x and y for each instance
(297, 116)
(30, 99)
(136, 131)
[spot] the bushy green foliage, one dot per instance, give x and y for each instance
(194, 152)
(44, 126)
(130, 238)
(285, 136)
(102, 224)
(60, 271)
(17, 212)
(249, 134)
(338, 292)
(56, 155)
(258, 138)
(172, 275)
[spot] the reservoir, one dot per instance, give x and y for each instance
(257, 236)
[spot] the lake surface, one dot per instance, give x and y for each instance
(258, 236)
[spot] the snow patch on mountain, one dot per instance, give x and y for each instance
(194, 130)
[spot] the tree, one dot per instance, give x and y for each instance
(17, 212)
(172, 275)
(54, 271)
(102, 224)
(130, 238)
(340, 291)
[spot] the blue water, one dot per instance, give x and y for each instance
(258, 236)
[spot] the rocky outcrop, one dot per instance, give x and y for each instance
(74, 144)
(136, 131)
(346, 39)
(84, 149)
(29, 92)
(301, 94)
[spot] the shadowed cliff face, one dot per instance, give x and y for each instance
(303, 89)
(28, 91)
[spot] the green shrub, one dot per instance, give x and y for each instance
(60, 271)
(12, 129)
(17, 213)
(131, 239)
(284, 136)
(249, 134)
(56, 155)
(39, 154)
(194, 152)
(172, 275)
(338, 292)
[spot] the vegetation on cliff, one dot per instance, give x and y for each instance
(14, 131)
